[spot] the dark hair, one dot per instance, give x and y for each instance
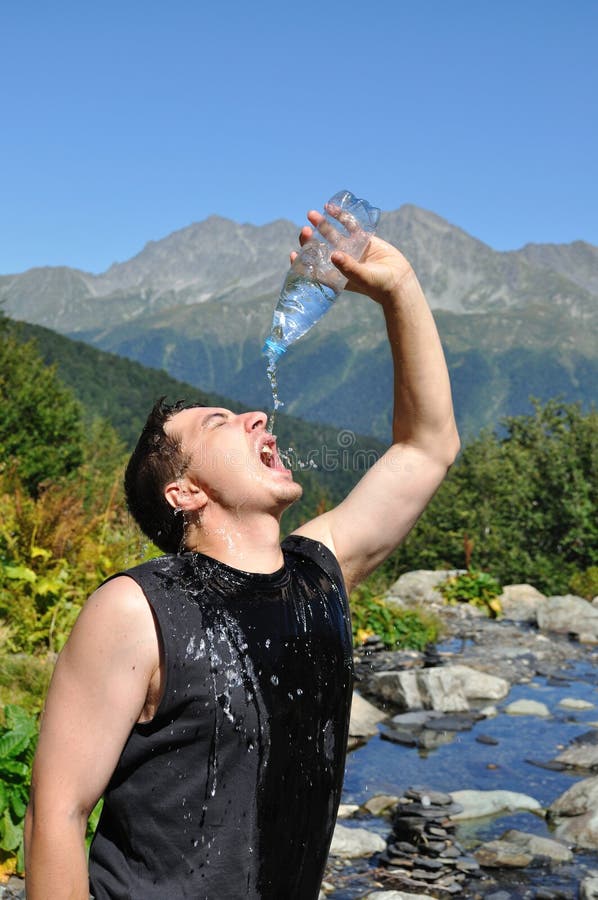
(157, 459)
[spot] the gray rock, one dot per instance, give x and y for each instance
(442, 688)
(575, 703)
(521, 602)
(582, 756)
(416, 719)
(496, 854)
(576, 814)
(568, 614)
(346, 810)
(380, 804)
(477, 804)
(538, 846)
(354, 843)
(419, 587)
(397, 895)
(478, 685)
(400, 688)
(527, 708)
(588, 889)
(365, 718)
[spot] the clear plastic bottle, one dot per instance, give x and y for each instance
(313, 282)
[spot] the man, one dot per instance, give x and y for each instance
(206, 694)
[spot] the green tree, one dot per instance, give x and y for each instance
(526, 499)
(41, 430)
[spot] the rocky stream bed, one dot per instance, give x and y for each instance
(474, 768)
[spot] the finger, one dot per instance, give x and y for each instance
(328, 231)
(346, 218)
(305, 234)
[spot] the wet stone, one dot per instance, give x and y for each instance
(428, 863)
(486, 739)
(399, 736)
(552, 764)
(452, 723)
(436, 847)
(436, 798)
(422, 851)
(404, 847)
(588, 737)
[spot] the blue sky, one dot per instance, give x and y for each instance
(124, 121)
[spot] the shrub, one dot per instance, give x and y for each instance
(407, 628)
(526, 497)
(18, 738)
(585, 584)
(54, 551)
(478, 588)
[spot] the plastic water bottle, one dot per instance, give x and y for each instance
(313, 282)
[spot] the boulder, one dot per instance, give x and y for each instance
(346, 810)
(419, 587)
(479, 685)
(569, 614)
(520, 602)
(588, 889)
(575, 703)
(353, 843)
(477, 804)
(365, 718)
(527, 708)
(400, 688)
(576, 814)
(580, 756)
(534, 846)
(441, 688)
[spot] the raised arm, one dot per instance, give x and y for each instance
(380, 511)
(98, 691)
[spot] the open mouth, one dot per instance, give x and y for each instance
(269, 456)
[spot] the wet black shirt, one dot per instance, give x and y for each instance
(231, 791)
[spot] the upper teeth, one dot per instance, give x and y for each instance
(267, 450)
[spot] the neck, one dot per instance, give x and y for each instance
(250, 543)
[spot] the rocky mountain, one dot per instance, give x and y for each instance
(198, 303)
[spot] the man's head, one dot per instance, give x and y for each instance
(157, 459)
(194, 461)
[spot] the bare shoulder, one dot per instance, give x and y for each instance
(115, 624)
(98, 692)
(118, 603)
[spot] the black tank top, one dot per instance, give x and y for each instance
(231, 791)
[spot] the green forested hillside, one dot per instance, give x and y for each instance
(326, 461)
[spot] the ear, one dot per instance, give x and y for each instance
(184, 494)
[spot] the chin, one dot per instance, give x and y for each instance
(288, 493)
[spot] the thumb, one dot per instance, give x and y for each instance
(358, 274)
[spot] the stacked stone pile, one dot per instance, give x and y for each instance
(423, 853)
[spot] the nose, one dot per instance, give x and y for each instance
(255, 421)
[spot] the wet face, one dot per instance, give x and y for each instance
(233, 459)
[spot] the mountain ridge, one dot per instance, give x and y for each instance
(199, 302)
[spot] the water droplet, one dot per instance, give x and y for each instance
(274, 679)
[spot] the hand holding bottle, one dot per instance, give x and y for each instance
(377, 274)
(313, 282)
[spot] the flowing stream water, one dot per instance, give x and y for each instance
(382, 767)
